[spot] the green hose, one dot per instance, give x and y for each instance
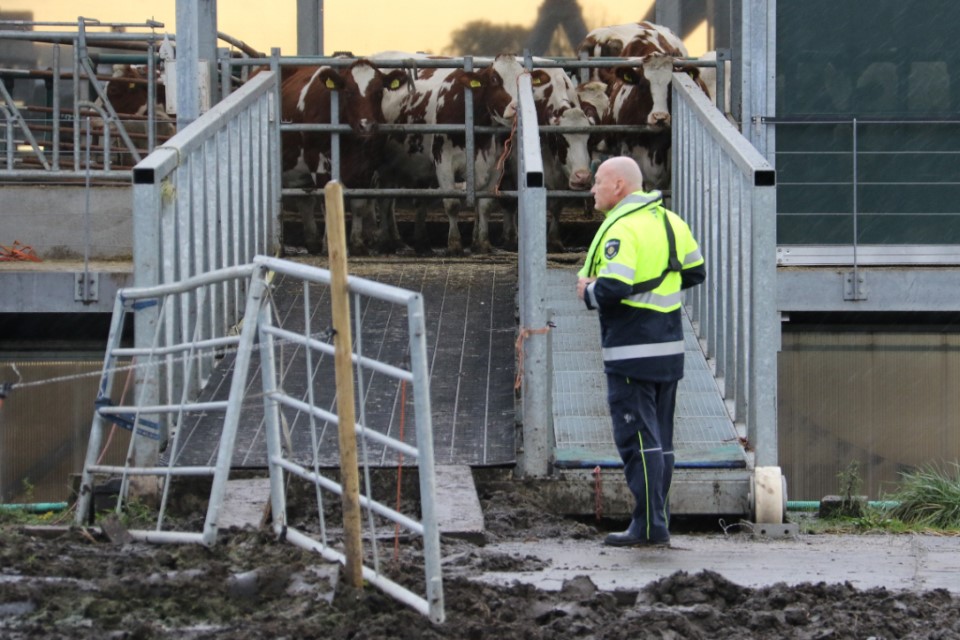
(814, 505)
(37, 507)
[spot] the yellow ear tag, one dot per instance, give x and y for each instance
(474, 83)
(394, 84)
(132, 85)
(628, 77)
(330, 84)
(536, 82)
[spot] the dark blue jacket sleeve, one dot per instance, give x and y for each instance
(608, 293)
(693, 276)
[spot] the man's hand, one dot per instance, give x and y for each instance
(582, 286)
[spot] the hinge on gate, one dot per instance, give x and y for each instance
(855, 285)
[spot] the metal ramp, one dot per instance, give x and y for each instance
(712, 473)
(704, 437)
(470, 334)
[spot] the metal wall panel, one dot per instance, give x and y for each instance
(886, 400)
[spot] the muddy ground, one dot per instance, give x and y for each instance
(76, 584)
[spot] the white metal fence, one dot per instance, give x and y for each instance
(726, 191)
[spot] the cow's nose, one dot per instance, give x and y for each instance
(511, 110)
(581, 179)
(659, 119)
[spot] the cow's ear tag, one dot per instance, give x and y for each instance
(330, 84)
(536, 82)
(395, 84)
(132, 85)
(474, 84)
(628, 77)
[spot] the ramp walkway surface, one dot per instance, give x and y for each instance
(471, 327)
(471, 323)
(704, 434)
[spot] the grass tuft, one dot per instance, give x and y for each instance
(929, 497)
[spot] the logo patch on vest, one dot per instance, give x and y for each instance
(611, 249)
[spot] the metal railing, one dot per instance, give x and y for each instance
(207, 199)
(469, 193)
(45, 141)
(856, 182)
(726, 191)
(532, 276)
(34, 137)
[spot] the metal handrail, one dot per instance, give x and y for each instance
(726, 191)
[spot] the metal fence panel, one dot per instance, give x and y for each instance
(726, 191)
(210, 183)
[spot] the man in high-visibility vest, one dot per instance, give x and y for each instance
(639, 261)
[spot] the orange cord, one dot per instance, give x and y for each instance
(502, 161)
(18, 252)
(523, 335)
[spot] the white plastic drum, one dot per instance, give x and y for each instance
(769, 495)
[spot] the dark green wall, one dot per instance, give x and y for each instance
(895, 61)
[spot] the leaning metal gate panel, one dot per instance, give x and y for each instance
(282, 463)
(275, 337)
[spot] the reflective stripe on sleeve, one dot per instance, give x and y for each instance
(693, 256)
(617, 269)
(629, 352)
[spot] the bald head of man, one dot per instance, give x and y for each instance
(616, 178)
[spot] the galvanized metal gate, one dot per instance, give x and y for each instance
(260, 334)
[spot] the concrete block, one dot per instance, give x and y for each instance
(458, 506)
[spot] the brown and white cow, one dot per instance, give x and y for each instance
(307, 156)
(632, 103)
(128, 93)
(634, 39)
(438, 97)
(565, 155)
(639, 92)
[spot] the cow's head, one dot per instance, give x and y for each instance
(651, 80)
(491, 91)
(659, 72)
(361, 87)
(594, 100)
(571, 149)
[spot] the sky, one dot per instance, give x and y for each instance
(363, 27)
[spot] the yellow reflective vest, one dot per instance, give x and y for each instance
(638, 286)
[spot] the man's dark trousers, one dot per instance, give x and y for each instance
(642, 416)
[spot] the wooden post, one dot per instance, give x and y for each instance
(343, 364)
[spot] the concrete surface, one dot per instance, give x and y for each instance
(896, 562)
